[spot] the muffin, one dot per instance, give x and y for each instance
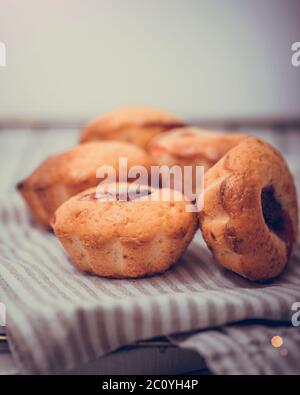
(61, 176)
(122, 235)
(191, 146)
(136, 125)
(250, 215)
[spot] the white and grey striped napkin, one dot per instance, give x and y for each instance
(245, 348)
(59, 318)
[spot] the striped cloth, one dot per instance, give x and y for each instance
(59, 318)
(246, 348)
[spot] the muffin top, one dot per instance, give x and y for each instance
(191, 141)
(81, 163)
(131, 217)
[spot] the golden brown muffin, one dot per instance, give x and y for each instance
(124, 236)
(250, 215)
(191, 146)
(136, 125)
(61, 176)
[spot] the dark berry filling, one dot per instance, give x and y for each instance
(272, 210)
(119, 196)
(164, 125)
(277, 220)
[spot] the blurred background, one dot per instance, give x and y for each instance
(206, 59)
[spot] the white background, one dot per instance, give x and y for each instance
(77, 58)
